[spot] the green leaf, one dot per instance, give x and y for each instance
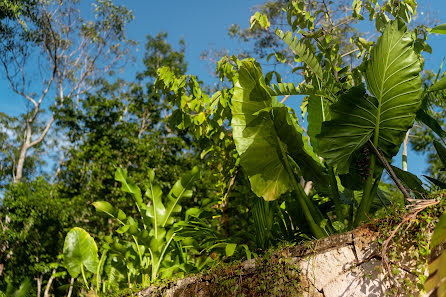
(180, 189)
(436, 281)
(393, 78)
(296, 145)
(259, 19)
(261, 132)
(439, 85)
(437, 266)
(247, 251)
(105, 207)
(436, 182)
(127, 185)
(440, 29)
(439, 235)
(302, 52)
(80, 250)
(318, 112)
(230, 249)
(156, 211)
(284, 89)
(352, 123)
(25, 289)
(411, 181)
(432, 123)
(441, 152)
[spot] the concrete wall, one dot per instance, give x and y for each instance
(341, 265)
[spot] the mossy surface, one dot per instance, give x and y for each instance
(276, 273)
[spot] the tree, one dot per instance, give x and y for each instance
(33, 219)
(122, 124)
(68, 53)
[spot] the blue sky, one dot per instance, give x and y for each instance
(203, 23)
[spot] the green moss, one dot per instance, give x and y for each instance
(276, 274)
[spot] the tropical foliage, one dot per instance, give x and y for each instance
(183, 177)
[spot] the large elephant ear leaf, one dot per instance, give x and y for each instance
(80, 251)
(352, 123)
(264, 134)
(393, 78)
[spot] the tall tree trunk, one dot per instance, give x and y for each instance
(29, 143)
(20, 163)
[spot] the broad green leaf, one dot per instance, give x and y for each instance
(302, 52)
(440, 29)
(128, 186)
(247, 251)
(105, 206)
(436, 182)
(25, 289)
(260, 140)
(411, 181)
(79, 251)
(179, 190)
(437, 266)
(436, 281)
(156, 211)
(441, 152)
(352, 123)
(393, 78)
(439, 85)
(318, 110)
(439, 235)
(432, 123)
(296, 145)
(230, 249)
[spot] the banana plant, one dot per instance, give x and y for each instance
(150, 236)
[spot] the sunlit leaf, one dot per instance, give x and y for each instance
(80, 251)
(392, 76)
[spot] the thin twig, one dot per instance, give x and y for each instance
(285, 98)
(389, 169)
(350, 52)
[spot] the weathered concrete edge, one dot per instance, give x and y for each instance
(351, 239)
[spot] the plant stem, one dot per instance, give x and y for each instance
(389, 169)
(317, 231)
(335, 194)
(364, 205)
(85, 279)
(140, 260)
(406, 140)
